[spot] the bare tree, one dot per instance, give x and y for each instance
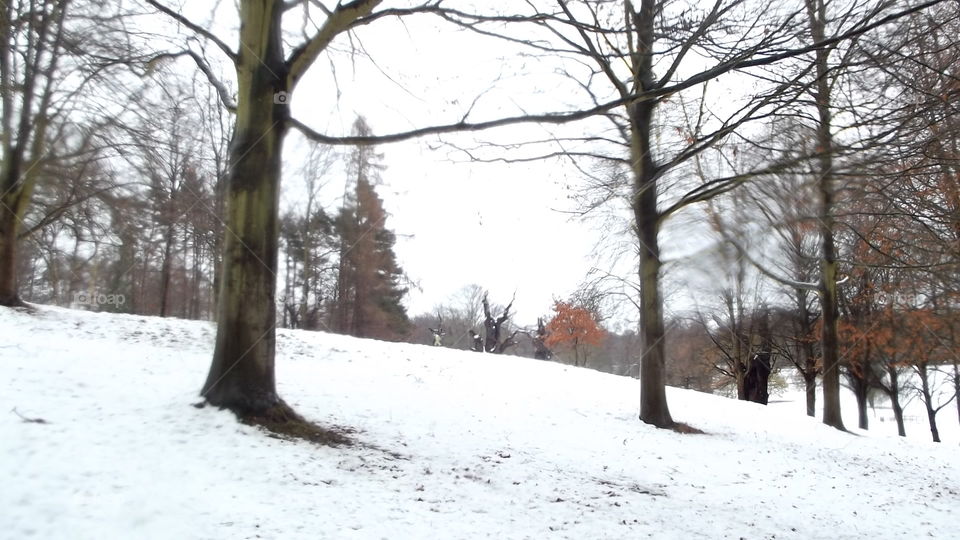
(33, 41)
(495, 338)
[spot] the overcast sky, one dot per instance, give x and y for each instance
(505, 227)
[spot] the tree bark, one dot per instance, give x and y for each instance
(816, 11)
(893, 392)
(928, 400)
(16, 190)
(861, 388)
(810, 382)
(808, 362)
(241, 375)
(9, 292)
(653, 394)
(165, 270)
(541, 352)
(956, 388)
(757, 379)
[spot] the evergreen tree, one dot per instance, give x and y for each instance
(370, 281)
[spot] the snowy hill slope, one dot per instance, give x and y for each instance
(473, 446)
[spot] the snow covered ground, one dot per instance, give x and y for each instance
(458, 445)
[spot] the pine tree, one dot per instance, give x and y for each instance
(370, 281)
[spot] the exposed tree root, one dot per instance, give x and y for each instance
(282, 422)
(686, 429)
(18, 304)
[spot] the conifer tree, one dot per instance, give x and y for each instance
(370, 281)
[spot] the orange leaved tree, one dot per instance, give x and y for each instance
(575, 328)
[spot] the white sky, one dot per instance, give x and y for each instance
(458, 223)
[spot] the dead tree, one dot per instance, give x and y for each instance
(493, 328)
(477, 341)
(540, 350)
(761, 364)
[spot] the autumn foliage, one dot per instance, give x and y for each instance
(574, 328)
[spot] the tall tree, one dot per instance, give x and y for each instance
(823, 171)
(369, 283)
(241, 374)
(33, 42)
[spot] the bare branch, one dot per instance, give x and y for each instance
(340, 20)
(222, 91)
(231, 54)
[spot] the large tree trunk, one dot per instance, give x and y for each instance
(757, 379)
(241, 375)
(491, 332)
(541, 352)
(653, 396)
(653, 392)
(9, 292)
(15, 194)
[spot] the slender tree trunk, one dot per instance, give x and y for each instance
(928, 400)
(197, 276)
(956, 388)
(828, 265)
(739, 367)
(893, 392)
(241, 375)
(810, 382)
(861, 388)
(805, 350)
(344, 300)
(165, 269)
(898, 416)
(831, 357)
